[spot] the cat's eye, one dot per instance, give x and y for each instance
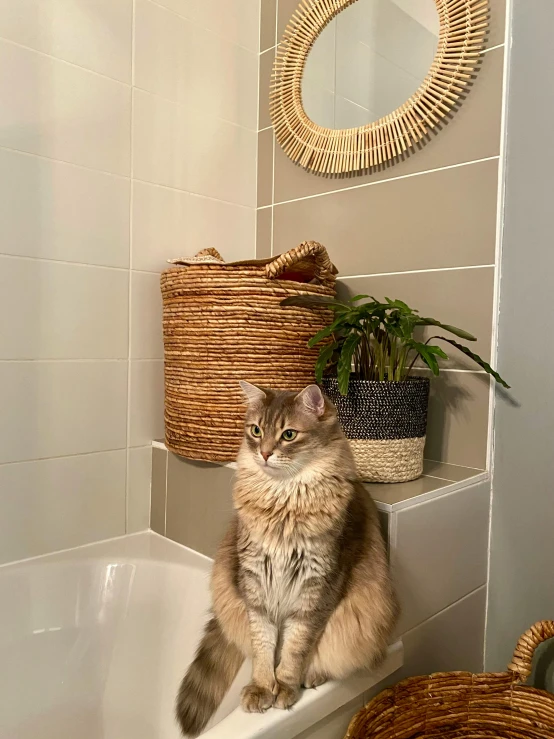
(289, 435)
(256, 431)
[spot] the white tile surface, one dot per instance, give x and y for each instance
(95, 34)
(55, 504)
(52, 409)
(52, 310)
(139, 473)
(170, 223)
(187, 64)
(146, 410)
(59, 211)
(441, 552)
(146, 316)
(186, 150)
(238, 21)
(63, 112)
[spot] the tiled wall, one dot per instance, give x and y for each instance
(127, 136)
(423, 230)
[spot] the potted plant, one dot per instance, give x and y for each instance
(368, 352)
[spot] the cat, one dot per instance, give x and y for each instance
(300, 582)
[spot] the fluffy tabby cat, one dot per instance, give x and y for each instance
(300, 582)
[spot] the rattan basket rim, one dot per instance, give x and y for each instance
(407, 711)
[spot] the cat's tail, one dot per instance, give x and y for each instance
(208, 678)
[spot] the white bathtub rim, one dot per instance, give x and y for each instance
(313, 706)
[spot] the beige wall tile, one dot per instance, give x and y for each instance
(460, 297)
(51, 310)
(497, 22)
(55, 504)
(267, 24)
(139, 476)
(95, 35)
(266, 67)
(199, 503)
(53, 409)
(170, 223)
(146, 316)
(146, 402)
(405, 224)
(433, 566)
(457, 425)
(472, 133)
(238, 21)
(159, 490)
(58, 211)
(181, 148)
(179, 60)
(263, 233)
(451, 640)
(284, 13)
(60, 111)
(265, 167)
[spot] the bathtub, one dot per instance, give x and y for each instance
(94, 642)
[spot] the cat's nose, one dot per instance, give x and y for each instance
(266, 455)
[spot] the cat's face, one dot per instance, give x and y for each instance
(286, 431)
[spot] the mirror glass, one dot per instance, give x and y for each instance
(369, 60)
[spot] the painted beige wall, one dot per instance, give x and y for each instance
(127, 136)
(423, 230)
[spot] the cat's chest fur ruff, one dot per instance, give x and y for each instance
(287, 540)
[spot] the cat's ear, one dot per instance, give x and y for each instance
(252, 393)
(312, 400)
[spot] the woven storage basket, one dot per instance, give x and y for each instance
(386, 423)
(460, 705)
(223, 323)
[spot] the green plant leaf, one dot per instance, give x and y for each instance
(357, 297)
(345, 361)
(323, 360)
(476, 358)
(325, 332)
(451, 329)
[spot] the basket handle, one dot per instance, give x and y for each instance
(525, 648)
(324, 271)
(210, 252)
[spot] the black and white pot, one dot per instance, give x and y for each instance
(386, 423)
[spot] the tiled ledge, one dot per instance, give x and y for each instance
(439, 478)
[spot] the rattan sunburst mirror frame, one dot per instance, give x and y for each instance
(463, 28)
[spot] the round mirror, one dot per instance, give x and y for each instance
(358, 84)
(369, 60)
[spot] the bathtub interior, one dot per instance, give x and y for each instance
(95, 647)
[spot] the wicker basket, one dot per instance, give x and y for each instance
(460, 705)
(386, 423)
(223, 323)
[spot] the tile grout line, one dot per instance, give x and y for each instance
(129, 281)
(203, 28)
(496, 296)
(63, 61)
(63, 456)
(389, 179)
(21, 152)
(417, 271)
(274, 140)
(194, 109)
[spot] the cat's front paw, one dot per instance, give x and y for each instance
(255, 699)
(314, 679)
(286, 695)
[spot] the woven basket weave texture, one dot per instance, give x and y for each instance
(461, 705)
(223, 323)
(386, 423)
